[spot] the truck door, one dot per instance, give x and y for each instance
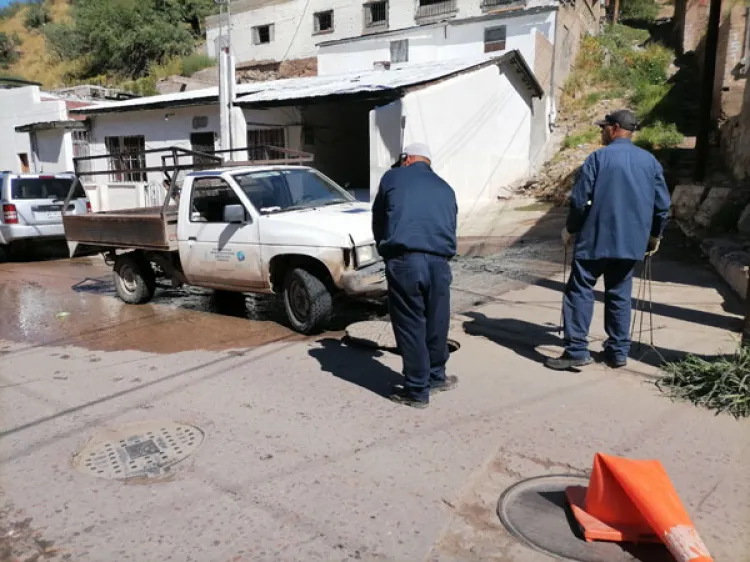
(213, 252)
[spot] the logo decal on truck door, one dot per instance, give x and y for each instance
(241, 256)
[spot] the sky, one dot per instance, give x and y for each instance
(4, 3)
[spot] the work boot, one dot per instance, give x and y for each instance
(401, 396)
(612, 361)
(566, 363)
(448, 383)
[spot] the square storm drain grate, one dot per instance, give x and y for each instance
(144, 449)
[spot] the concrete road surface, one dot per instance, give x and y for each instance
(303, 458)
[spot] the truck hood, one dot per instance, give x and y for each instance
(320, 226)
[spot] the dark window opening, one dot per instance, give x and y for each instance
(323, 21)
(376, 14)
(202, 142)
(263, 34)
(400, 51)
(125, 155)
(260, 143)
(494, 39)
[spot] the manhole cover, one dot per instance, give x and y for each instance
(139, 450)
(536, 512)
(379, 334)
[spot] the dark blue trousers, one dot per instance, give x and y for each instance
(578, 306)
(419, 301)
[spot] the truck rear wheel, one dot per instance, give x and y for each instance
(135, 281)
(307, 301)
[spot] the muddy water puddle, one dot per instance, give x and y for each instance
(73, 302)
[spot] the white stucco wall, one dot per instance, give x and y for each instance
(480, 146)
(443, 42)
(294, 36)
(162, 129)
(18, 107)
(54, 151)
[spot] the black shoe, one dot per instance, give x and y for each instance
(614, 362)
(448, 383)
(401, 396)
(566, 363)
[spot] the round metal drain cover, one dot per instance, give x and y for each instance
(139, 450)
(536, 512)
(379, 334)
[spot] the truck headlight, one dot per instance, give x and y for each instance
(366, 255)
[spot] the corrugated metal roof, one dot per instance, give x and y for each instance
(313, 86)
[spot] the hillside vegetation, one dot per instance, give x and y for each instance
(126, 43)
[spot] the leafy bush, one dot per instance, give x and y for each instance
(8, 49)
(659, 135)
(37, 15)
(193, 63)
(722, 385)
(10, 10)
(639, 10)
(645, 97)
(589, 136)
(128, 37)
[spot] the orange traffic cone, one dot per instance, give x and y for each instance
(634, 501)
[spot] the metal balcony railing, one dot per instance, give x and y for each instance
(431, 9)
(492, 4)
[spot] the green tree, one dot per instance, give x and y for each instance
(125, 37)
(643, 10)
(37, 15)
(8, 49)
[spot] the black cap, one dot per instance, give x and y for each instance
(623, 117)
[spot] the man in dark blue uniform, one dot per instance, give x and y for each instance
(618, 211)
(414, 223)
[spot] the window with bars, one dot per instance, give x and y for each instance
(323, 21)
(400, 51)
(494, 39)
(82, 149)
(376, 14)
(435, 8)
(263, 34)
(260, 143)
(126, 154)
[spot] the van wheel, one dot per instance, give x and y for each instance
(3, 254)
(135, 281)
(307, 301)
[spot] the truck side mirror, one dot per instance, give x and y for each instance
(234, 214)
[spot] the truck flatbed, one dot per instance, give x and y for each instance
(150, 228)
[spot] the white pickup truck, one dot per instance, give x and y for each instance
(278, 229)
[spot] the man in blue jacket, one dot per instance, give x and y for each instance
(414, 224)
(618, 211)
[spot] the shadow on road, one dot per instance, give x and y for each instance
(357, 365)
(523, 338)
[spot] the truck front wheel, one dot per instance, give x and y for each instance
(135, 282)
(307, 301)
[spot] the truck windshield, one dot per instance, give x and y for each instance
(43, 188)
(287, 190)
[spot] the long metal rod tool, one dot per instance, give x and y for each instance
(561, 327)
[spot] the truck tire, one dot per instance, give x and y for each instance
(135, 281)
(307, 302)
(3, 254)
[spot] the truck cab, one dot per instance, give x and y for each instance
(278, 229)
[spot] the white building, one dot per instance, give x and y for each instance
(480, 117)
(274, 30)
(36, 134)
(460, 38)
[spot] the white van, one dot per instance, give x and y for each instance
(31, 208)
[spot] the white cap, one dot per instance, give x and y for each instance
(418, 149)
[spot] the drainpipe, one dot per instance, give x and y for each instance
(552, 87)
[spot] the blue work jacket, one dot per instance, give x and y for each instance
(414, 211)
(619, 199)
